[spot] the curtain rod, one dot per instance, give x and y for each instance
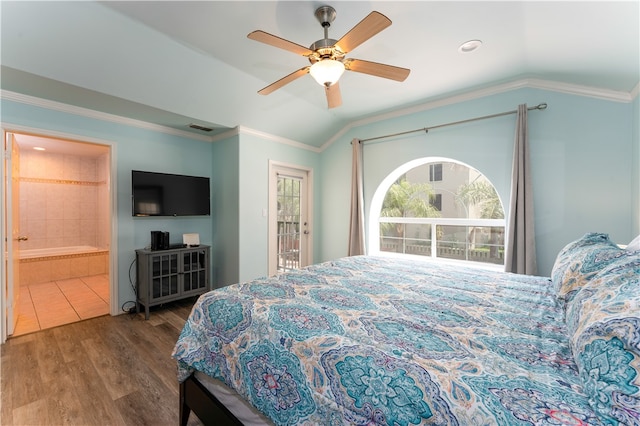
(541, 106)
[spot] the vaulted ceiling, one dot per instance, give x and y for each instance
(177, 62)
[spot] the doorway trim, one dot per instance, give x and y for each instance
(274, 168)
(114, 309)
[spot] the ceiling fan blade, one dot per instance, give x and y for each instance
(377, 69)
(334, 98)
(371, 25)
(284, 80)
(276, 41)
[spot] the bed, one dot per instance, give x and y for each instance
(378, 340)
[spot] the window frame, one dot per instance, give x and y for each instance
(374, 218)
(435, 172)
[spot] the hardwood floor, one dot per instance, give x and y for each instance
(101, 371)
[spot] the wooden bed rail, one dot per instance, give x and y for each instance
(195, 397)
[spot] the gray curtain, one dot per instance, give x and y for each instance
(521, 245)
(356, 222)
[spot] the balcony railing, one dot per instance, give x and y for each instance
(476, 240)
(288, 236)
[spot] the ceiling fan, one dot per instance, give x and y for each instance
(327, 56)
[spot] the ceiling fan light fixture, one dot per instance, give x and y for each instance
(327, 71)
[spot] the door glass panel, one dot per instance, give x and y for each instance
(194, 276)
(156, 286)
(155, 266)
(288, 234)
(165, 265)
(174, 284)
(174, 263)
(187, 261)
(202, 279)
(187, 282)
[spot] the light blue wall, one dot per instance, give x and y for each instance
(225, 211)
(255, 154)
(585, 164)
(238, 167)
(581, 160)
(135, 148)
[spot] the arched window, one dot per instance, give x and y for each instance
(441, 208)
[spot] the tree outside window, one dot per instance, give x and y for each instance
(447, 190)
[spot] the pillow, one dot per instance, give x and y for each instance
(603, 321)
(634, 245)
(580, 260)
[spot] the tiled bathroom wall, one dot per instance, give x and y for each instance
(102, 204)
(63, 200)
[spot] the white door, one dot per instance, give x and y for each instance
(290, 238)
(11, 204)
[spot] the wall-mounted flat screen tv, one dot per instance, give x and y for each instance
(163, 194)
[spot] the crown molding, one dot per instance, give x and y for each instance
(89, 113)
(572, 89)
(225, 135)
(242, 130)
(278, 139)
(450, 100)
(575, 89)
(343, 131)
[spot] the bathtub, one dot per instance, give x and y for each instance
(59, 263)
(57, 251)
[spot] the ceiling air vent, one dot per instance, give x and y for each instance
(198, 127)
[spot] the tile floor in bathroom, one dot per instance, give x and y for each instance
(55, 303)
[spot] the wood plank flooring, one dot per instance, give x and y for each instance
(101, 371)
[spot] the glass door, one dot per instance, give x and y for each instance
(289, 219)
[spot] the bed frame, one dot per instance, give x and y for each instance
(195, 397)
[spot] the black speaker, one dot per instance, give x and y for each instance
(159, 240)
(156, 240)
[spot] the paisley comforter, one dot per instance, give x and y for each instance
(373, 340)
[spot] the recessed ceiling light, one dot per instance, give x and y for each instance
(469, 46)
(39, 148)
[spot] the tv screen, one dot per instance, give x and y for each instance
(163, 194)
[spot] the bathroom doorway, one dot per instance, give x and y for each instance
(62, 231)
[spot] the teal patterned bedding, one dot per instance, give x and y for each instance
(373, 340)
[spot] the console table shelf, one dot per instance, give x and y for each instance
(167, 275)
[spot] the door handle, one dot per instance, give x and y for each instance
(22, 238)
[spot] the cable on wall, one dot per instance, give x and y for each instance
(541, 106)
